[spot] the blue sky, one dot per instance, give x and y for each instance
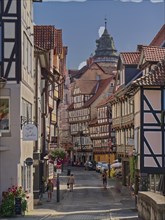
(129, 22)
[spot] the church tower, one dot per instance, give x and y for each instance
(105, 51)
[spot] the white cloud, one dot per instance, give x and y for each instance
(156, 1)
(101, 30)
(82, 64)
(138, 1)
(64, 0)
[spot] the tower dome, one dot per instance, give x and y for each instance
(105, 48)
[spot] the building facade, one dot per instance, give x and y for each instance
(17, 94)
(90, 85)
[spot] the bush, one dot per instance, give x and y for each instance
(7, 208)
(57, 153)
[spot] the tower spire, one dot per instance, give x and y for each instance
(105, 19)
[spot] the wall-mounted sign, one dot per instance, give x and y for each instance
(29, 161)
(58, 171)
(30, 132)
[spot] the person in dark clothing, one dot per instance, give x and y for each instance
(104, 178)
(50, 189)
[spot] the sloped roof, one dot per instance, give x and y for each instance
(86, 86)
(159, 38)
(82, 71)
(153, 53)
(101, 87)
(107, 68)
(48, 37)
(154, 77)
(130, 58)
(97, 90)
(93, 122)
(104, 101)
(72, 72)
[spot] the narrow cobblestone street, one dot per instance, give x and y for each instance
(88, 201)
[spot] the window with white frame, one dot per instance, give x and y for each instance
(4, 114)
(26, 110)
(26, 178)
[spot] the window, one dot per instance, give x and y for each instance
(4, 114)
(26, 110)
(26, 172)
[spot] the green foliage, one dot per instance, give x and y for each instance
(57, 153)
(7, 208)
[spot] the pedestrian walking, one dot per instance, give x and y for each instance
(118, 177)
(104, 179)
(50, 187)
(71, 182)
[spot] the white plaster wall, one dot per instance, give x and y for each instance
(10, 159)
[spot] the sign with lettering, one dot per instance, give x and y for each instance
(30, 132)
(29, 161)
(58, 171)
(18, 206)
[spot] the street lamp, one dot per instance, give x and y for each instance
(76, 146)
(110, 144)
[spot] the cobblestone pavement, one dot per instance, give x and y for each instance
(88, 201)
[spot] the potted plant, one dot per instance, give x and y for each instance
(7, 208)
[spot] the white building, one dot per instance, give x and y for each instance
(16, 94)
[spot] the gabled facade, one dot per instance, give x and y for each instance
(86, 96)
(159, 38)
(52, 60)
(136, 114)
(89, 86)
(123, 109)
(17, 94)
(102, 134)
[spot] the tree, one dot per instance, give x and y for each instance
(58, 153)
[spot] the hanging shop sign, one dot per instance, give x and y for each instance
(30, 132)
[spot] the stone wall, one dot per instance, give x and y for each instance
(151, 206)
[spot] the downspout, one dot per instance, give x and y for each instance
(36, 99)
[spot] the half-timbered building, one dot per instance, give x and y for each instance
(102, 134)
(17, 95)
(86, 96)
(148, 108)
(122, 108)
(126, 106)
(90, 85)
(52, 56)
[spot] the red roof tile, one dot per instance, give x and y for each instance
(130, 58)
(101, 87)
(159, 38)
(48, 37)
(154, 77)
(153, 53)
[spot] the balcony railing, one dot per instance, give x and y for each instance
(124, 120)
